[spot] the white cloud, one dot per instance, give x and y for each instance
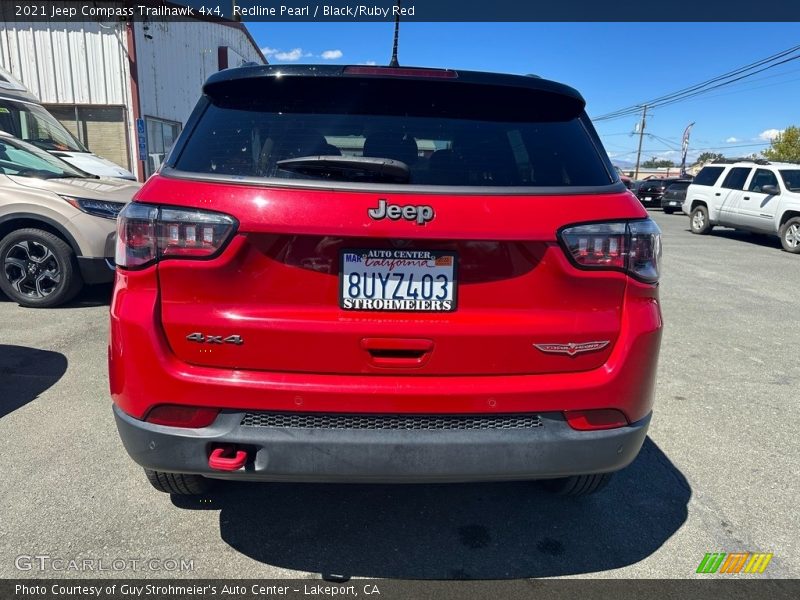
(291, 55)
(284, 55)
(732, 140)
(332, 54)
(769, 134)
(665, 154)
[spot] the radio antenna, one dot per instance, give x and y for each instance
(393, 62)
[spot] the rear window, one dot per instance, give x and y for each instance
(677, 187)
(446, 134)
(708, 175)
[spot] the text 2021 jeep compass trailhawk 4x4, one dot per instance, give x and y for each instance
(384, 274)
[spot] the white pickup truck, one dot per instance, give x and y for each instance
(753, 195)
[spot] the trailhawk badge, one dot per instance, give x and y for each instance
(572, 348)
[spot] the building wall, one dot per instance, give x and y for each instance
(174, 64)
(173, 60)
(103, 128)
(68, 63)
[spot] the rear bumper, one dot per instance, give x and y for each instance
(655, 199)
(550, 450)
(676, 203)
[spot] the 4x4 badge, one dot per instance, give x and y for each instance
(421, 214)
(572, 348)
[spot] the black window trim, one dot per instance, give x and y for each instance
(434, 190)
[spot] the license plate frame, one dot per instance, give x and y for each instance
(391, 304)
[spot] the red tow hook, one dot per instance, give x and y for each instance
(220, 462)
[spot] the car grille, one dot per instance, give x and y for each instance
(389, 422)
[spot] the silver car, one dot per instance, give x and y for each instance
(57, 225)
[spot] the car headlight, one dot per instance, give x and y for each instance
(97, 208)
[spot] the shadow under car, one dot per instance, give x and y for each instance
(453, 531)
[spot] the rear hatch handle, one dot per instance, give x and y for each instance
(397, 352)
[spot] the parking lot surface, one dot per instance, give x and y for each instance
(718, 472)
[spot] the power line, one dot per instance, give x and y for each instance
(656, 151)
(702, 88)
(710, 84)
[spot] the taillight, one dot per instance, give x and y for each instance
(174, 415)
(633, 247)
(136, 236)
(147, 233)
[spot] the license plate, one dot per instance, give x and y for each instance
(674, 204)
(398, 280)
(647, 198)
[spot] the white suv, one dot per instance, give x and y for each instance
(754, 195)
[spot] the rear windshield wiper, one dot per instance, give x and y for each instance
(350, 168)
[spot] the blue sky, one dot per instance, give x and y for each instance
(613, 65)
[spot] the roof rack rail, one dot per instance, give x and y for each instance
(730, 161)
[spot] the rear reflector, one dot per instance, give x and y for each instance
(589, 420)
(401, 72)
(182, 416)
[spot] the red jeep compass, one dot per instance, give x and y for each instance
(384, 274)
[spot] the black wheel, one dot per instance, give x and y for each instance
(578, 485)
(39, 269)
(790, 235)
(178, 483)
(699, 220)
(669, 211)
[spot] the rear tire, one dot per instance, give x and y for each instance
(790, 235)
(699, 221)
(181, 484)
(578, 485)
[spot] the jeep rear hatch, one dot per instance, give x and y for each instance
(456, 269)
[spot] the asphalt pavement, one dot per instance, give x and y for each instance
(718, 472)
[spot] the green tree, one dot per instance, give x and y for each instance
(707, 157)
(785, 146)
(655, 163)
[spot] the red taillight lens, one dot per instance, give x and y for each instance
(182, 416)
(192, 233)
(136, 236)
(146, 233)
(631, 246)
(590, 420)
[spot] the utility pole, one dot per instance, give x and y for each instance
(641, 137)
